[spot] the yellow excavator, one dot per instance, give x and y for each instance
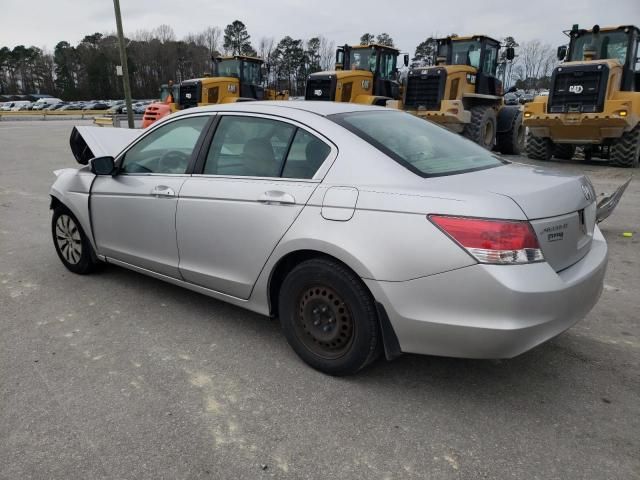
(594, 99)
(364, 74)
(463, 93)
(236, 78)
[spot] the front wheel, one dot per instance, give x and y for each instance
(539, 148)
(482, 128)
(72, 245)
(329, 317)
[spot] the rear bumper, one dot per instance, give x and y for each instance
(492, 311)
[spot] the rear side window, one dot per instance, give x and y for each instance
(305, 156)
(422, 147)
(261, 147)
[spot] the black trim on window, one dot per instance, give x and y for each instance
(205, 145)
(285, 158)
(339, 118)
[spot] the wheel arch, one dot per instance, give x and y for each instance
(293, 258)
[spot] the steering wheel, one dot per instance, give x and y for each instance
(173, 161)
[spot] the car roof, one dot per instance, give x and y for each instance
(322, 108)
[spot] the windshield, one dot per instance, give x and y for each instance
(424, 148)
(466, 53)
(611, 45)
(229, 68)
(363, 59)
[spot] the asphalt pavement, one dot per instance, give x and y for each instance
(119, 376)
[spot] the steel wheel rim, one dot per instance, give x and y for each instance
(68, 239)
(324, 323)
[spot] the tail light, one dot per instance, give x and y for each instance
(492, 241)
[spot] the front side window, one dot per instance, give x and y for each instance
(387, 65)
(490, 60)
(168, 149)
(425, 149)
(249, 146)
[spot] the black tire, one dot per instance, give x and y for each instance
(482, 128)
(564, 151)
(72, 245)
(329, 317)
(539, 148)
(511, 142)
(625, 151)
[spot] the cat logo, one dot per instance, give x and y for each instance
(188, 96)
(577, 89)
(365, 84)
(318, 92)
(231, 88)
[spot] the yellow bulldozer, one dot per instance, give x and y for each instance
(235, 78)
(593, 101)
(463, 93)
(364, 74)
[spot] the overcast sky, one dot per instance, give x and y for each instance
(43, 23)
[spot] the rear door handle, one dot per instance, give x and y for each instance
(163, 191)
(276, 197)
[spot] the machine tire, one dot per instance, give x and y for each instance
(329, 317)
(539, 148)
(625, 151)
(511, 142)
(564, 151)
(482, 128)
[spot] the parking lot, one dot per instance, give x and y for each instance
(117, 375)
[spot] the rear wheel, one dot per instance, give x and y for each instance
(511, 142)
(625, 151)
(482, 128)
(539, 148)
(329, 317)
(564, 151)
(72, 245)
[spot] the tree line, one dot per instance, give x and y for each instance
(88, 70)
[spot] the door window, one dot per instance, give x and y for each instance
(166, 150)
(249, 146)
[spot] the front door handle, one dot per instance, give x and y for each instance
(276, 197)
(163, 191)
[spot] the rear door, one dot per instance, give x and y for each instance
(133, 213)
(256, 176)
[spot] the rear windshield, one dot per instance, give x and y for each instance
(424, 148)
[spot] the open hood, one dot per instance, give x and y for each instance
(90, 142)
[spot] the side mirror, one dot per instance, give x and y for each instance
(511, 53)
(406, 60)
(562, 52)
(103, 166)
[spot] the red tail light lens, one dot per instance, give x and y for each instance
(492, 241)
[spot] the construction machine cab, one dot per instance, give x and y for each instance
(619, 43)
(364, 74)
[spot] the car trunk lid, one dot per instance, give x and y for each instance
(561, 208)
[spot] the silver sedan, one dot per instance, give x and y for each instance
(365, 230)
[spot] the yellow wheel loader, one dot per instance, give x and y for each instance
(236, 78)
(364, 74)
(594, 99)
(463, 93)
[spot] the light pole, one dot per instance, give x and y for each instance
(123, 61)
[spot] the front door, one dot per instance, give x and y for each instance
(257, 177)
(133, 212)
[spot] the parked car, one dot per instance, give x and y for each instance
(7, 106)
(363, 229)
(526, 98)
(96, 106)
(510, 99)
